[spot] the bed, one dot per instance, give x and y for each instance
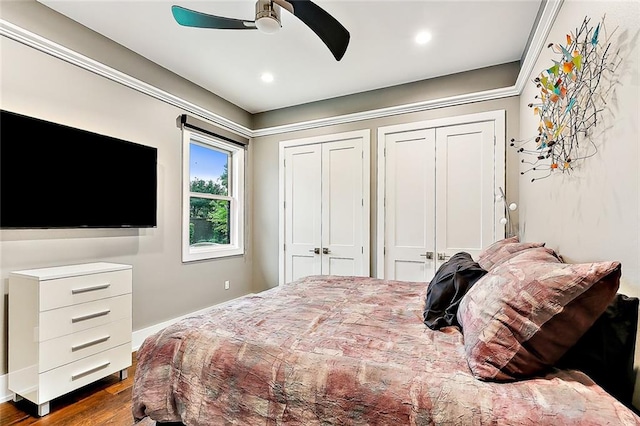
(341, 350)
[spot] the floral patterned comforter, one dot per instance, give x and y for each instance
(330, 350)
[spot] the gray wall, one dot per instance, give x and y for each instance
(37, 84)
(265, 149)
(34, 83)
(37, 18)
(594, 214)
(495, 77)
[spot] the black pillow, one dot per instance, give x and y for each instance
(606, 351)
(452, 281)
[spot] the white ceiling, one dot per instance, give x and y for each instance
(466, 35)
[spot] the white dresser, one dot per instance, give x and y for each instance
(68, 326)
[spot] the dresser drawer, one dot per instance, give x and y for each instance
(71, 376)
(69, 291)
(72, 319)
(67, 326)
(72, 347)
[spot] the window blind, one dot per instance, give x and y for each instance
(198, 125)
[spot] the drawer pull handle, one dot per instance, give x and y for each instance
(91, 343)
(89, 371)
(87, 289)
(90, 316)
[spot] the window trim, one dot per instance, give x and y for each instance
(236, 196)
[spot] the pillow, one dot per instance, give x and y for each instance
(606, 351)
(502, 250)
(523, 315)
(534, 254)
(497, 246)
(452, 280)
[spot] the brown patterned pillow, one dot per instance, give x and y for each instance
(502, 250)
(522, 316)
(497, 246)
(536, 253)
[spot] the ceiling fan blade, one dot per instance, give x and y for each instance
(192, 18)
(330, 31)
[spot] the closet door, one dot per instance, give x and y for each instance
(465, 199)
(437, 183)
(325, 216)
(303, 196)
(409, 205)
(342, 208)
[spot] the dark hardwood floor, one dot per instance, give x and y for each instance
(105, 402)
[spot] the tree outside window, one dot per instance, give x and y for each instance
(210, 217)
(213, 200)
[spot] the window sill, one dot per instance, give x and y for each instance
(195, 254)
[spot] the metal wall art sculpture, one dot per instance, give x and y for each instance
(573, 94)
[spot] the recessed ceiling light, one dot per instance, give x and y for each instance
(423, 37)
(267, 77)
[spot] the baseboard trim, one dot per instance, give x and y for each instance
(5, 395)
(137, 338)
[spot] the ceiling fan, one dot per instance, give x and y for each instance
(267, 20)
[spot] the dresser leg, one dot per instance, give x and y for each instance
(124, 374)
(17, 397)
(43, 409)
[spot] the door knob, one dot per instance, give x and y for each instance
(326, 251)
(428, 255)
(442, 256)
(315, 250)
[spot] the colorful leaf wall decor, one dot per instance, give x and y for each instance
(571, 99)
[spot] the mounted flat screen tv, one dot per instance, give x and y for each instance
(56, 176)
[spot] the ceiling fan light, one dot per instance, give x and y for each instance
(268, 24)
(267, 16)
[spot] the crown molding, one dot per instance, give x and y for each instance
(486, 95)
(56, 50)
(547, 16)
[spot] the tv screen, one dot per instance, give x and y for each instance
(56, 176)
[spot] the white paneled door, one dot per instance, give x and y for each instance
(326, 207)
(342, 208)
(465, 198)
(437, 186)
(303, 214)
(410, 204)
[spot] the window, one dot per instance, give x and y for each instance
(213, 197)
